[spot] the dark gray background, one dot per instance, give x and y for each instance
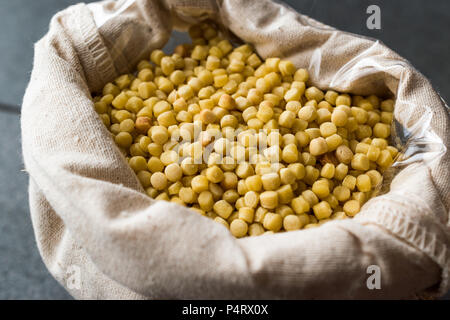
(418, 30)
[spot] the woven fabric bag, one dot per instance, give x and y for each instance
(101, 237)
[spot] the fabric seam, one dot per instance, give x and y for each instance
(102, 60)
(419, 237)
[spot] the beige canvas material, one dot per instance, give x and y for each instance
(93, 223)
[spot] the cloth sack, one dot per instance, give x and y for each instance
(101, 237)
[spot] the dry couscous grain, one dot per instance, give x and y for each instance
(247, 142)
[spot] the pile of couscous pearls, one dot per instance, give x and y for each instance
(244, 141)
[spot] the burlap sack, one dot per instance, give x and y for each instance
(93, 223)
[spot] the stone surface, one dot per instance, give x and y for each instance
(22, 273)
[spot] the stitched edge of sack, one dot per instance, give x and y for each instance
(102, 61)
(413, 233)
